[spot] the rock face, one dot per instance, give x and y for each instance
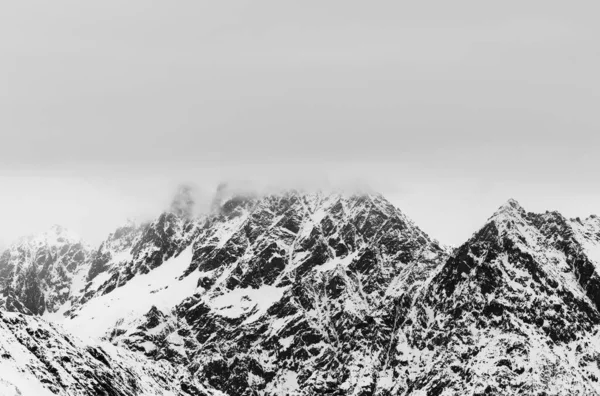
(513, 311)
(37, 358)
(340, 294)
(135, 250)
(37, 273)
(295, 290)
(284, 289)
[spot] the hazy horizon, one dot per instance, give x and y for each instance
(448, 109)
(92, 210)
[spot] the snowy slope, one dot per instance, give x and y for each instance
(160, 288)
(14, 382)
(38, 358)
(512, 312)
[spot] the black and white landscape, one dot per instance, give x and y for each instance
(299, 198)
(295, 293)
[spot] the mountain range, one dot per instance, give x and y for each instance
(304, 293)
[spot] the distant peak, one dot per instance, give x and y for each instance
(510, 206)
(512, 203)
(56, 234)
(60, 231)
(510, 209)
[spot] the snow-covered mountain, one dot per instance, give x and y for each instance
(315, 293)
(514, 311)
(38, 273)
(38, 358)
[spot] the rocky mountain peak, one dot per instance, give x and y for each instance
(513, 203)
(54, 236)
(510, 210)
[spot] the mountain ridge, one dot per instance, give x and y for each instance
(334, 293)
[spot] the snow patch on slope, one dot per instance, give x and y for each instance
(160, 288)
(239, 302)
(14, 382)
(337, 261)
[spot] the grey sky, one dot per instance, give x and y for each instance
(449, 108)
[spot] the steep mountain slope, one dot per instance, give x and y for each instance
(138, 249)
(36, 358)
(513, 311)
(135, 250)
(293, 291)
(38, 273)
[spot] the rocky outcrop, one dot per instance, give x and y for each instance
(38, 273)
(35, 355)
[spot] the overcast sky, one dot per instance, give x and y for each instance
(447, 107)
